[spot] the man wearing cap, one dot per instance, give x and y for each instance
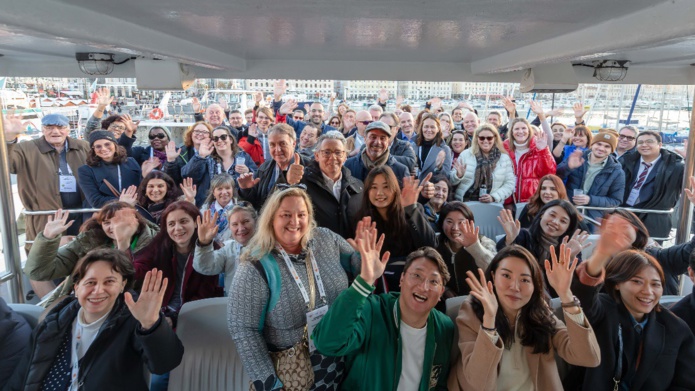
(654, 180)
(46, 171)
(594, 177)
(376, 153)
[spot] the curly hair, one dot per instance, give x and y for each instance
(172, 194)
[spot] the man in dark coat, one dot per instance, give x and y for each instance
(685, 309)
(376, 153)
(331, 186)
(653, 180)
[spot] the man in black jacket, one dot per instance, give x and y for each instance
(685, 309)
(331, 186)
(653, 180)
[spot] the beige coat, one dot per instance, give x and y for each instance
(36, 164)
(477, 367)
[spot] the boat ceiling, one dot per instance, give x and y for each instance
(439, 40)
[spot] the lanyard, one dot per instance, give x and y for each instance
(300, 284)
(619, 365)
(120, 185)
(65, 151)
(76, 343)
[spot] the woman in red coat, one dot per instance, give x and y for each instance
(531, 158)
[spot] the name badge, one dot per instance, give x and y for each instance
(312, 319)
(68, 184)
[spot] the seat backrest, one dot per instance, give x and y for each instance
(210, 361)
(486, 218)
(30, 312)
(519, 207)
(667, 301)
(452, 310)
(587, 251)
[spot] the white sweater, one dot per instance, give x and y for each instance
(503, 178)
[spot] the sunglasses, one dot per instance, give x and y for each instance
(285, 186)
(365, 122)
(160, 136)
(628, 138)
(222, 137)
(335, 123)
(486, 138)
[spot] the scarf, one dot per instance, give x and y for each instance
(380, 161)
(485, 166)
(161, 155)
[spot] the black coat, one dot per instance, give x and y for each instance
(668, 349)
(95, 189)
(262, 190)
(173, 169)
(674, 261)
(15, 333)
(114, 361)
(685, 309)
(404, 153)
(328, 211)
(668, 186)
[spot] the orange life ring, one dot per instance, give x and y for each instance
(156, 113)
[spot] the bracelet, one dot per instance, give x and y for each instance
(574, 303)
(492, 330)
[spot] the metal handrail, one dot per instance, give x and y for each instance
(52, 212)
(633, 210)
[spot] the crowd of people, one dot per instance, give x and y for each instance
(339, 235)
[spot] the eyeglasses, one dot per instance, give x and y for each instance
(202, 132)
(285, 186)
(649, 141)
(365, 122)
(628, 138)
(335, 123)
(419, 279)
(222, 137)
(326, 153)
(117, 127)
(486, 138)
(160, 136)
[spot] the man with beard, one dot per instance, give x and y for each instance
(376, 153)
(316, 111)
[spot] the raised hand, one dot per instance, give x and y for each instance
(617, 234)
(130, 126)
(690, 193)
(509, 105)
(559, 271)
(373, 265)
(103, 97)
(399, 100)
(537, 108)
(307, 108)
(363, 225)
(246, 181)
(579, 111)
(469, 233)
(253, 130)
(683, 151)
(207, 227)
(483, 290)
(511, 226)
(460, 168)
(288, 107)
(383, 95)
(435, 103)
(427, 190)
(575, 160)
(258, 97)
(124, 225)
(555, 112)
(206, 148)
(13, 126)
(279, 88)
(223, 103)
(333, 96)
(440, 159)
(466, 105)
(577, 242)
(411, 188)
(196, 105)
(149, 303)
(567, 135)
(189, 190)
(541, 141)
(57, 224)
(296, 170)
(149, 165)
(172, 152)
(130, 195)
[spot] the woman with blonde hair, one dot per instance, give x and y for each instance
(447, 125)
(289, 270)
(483, 172)
(196, 134)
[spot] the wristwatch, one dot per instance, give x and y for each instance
(574, 303)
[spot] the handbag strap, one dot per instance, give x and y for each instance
(113, 189)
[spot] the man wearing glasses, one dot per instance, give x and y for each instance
(391, 340)
(653, 180)
(46, 170)
(627, 140)
(357, 141)
(316, 111)
(331, 186)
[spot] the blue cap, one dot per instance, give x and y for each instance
(55, 119)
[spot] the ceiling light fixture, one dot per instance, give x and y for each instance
(95, 63)
(610, 70)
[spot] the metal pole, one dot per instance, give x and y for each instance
(10, 242)
(632, 107)
(620, 107)
(686, 217)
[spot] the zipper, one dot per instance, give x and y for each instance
(183, 278)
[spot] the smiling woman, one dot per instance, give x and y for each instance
(288, 269)
(156, 191)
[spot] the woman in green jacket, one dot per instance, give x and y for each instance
(116, 225)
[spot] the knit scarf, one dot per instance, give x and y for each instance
(161, 155)
(483, 171)
(380, 161)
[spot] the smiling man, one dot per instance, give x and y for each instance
(594, 177)
(653, 178)
(376, 153)
(392, 341)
